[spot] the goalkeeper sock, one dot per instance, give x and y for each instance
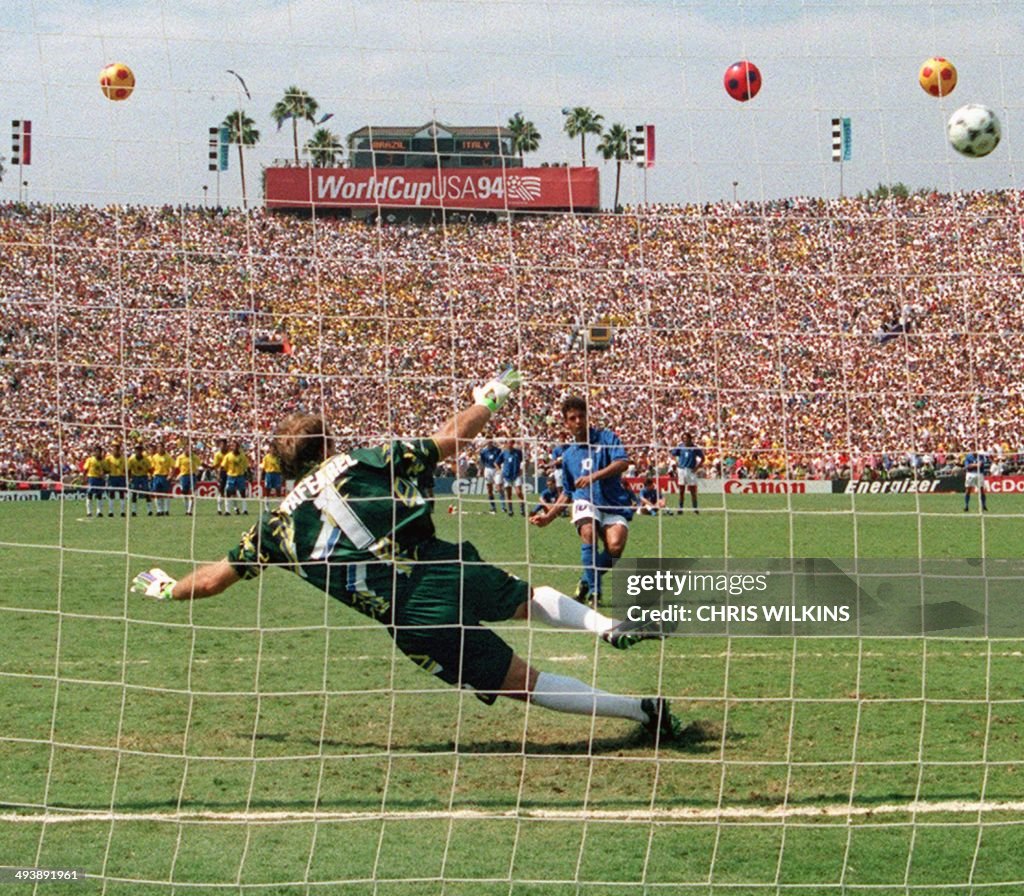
(564, 694)
(560, 611)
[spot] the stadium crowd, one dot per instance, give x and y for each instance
(799, 337)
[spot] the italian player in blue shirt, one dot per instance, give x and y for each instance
(512, 476)
(688, 459)
(602, 506)
(490, 454)
(976, 464)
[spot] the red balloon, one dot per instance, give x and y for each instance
(742, 80)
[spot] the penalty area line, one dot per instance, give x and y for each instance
(679, 813)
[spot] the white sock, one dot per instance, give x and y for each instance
(564, 694)
(560, 611)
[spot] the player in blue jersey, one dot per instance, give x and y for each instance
(548, 497)
(650, 498)
(688, 458)
(490, 455)
(976, 465)
(512, 476)
(602, 506)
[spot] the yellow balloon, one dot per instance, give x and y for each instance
(937, 76)
(117, 81)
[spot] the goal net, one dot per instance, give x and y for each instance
(807, 301)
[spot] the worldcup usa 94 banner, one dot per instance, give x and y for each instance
(820, 597)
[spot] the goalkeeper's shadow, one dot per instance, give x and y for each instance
(697, 737)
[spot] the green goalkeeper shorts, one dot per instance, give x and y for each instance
(437, 617)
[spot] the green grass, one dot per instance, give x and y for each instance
(275, 699)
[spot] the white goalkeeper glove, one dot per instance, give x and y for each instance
(154, 583)
(494, 394)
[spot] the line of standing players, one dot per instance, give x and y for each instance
(154, 474)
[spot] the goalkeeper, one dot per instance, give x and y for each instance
(356, 527)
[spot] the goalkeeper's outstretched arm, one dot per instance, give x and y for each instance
(205, 581)
(468, 424)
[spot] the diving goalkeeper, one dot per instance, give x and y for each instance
(356, 527)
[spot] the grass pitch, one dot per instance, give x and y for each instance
(272, 741)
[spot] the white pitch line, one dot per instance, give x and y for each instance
(681, 813)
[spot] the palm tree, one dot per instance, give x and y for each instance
(241, 130)
(295, 104)
(324, 147)
(525, 136)
(582, 121)
(615, 145)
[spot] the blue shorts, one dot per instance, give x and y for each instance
(161, 485)
(236, 485)
(116, 484)
(96, 487)
(273, 480)
(139, 484)
(186, 483)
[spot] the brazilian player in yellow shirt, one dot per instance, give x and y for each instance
(187, 464)
(236, 466)
(163, 466)
(222, 477)
(95, 469)
(273, 477)
(117, 478)
(139, 469)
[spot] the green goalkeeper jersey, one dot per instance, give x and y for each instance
(351, 527)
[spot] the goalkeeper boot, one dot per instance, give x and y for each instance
(627, 633)
(661, 725)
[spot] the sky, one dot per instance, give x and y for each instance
(464, 62)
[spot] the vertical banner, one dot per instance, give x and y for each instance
(842, 139)
(21, 142)
(225, 140)
(641, 145)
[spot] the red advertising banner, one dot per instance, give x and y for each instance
(1005, 485)
(576, 189)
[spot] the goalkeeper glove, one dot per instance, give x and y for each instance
(154, 583)
(494, 394)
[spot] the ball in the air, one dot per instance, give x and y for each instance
(117, 81)
(937, 76)
(742, 80)
(973, 130)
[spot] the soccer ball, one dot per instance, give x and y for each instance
(973, 130)
(117, 81)
(742, 80)
(937, 76)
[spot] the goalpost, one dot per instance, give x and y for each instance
(834, 357)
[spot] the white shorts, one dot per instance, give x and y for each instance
(557, 473)
(585, 510)
(492, 475)
(513, 483)
(974, 480)
(687, 476)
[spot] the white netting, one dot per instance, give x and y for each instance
(273, 740)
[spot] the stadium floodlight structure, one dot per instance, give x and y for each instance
(273, 740)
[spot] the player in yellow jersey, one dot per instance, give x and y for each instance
(95, 469)
(187, 463)
(117, 478)
(273, 478)
(236, 466)
(222, 477)
(139, 469)
(163, 466)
